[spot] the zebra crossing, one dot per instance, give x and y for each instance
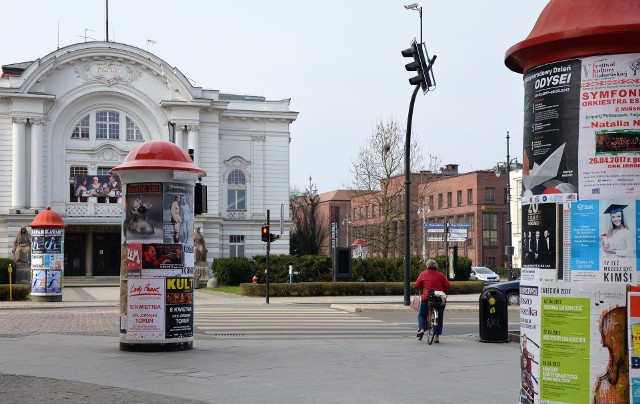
(288, 321)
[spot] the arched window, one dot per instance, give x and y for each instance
(236, 190)
(107, 125)
(81, 130)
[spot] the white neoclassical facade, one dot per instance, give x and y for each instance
(79, 110)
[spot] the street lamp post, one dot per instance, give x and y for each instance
(508, 248)
(422, 211)
(416, 6)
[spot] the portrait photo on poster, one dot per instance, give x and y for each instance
(618, 228)
(178, 213)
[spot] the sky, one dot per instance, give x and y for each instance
(338, 61)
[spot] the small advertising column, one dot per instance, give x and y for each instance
(156, 274)
(47, 256)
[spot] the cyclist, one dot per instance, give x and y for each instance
(428, 279)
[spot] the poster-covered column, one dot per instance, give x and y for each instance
(47, 256)
(156, 287)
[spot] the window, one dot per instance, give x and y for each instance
(81, 130)
(236, 191)
(133, 133)
(431, 202)
(361, 215)
(490, 196)
(107, 125)
(449, 199)
(373, 211)
(489, 229)
(469, 196)
(355, 217)
(366, 212)
(459, 198)
(471, 231)
(236, 246)
(439, 201)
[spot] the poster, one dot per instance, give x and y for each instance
(609, 150)
(86, 186)
(550, 136)
(161, 260)
(569, 335)
(179, 308)
(54, 282)
(143, 219)
(178, 213)
(604, 241)
(539, 249)
(145, 308)
(633, 321)
(38, 281)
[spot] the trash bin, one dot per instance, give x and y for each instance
(494, 321)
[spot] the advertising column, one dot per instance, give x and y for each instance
(47, 256)
(156, 286)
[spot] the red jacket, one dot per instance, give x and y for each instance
(432, 279)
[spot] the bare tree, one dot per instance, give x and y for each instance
(379, 169)
(308, 232)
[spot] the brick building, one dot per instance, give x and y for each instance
(476, 198)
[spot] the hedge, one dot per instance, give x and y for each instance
(347, 288)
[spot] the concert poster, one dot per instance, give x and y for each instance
(143, 218)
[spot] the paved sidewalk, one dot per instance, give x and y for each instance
(88, 367)
(110, 296)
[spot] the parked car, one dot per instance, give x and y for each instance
(511, 289)
(484, 274)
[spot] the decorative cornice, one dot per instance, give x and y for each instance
(19, 119)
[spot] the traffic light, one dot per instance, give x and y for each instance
(273, 237)
(421, 65)
(265, 234)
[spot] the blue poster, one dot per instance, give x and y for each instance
(604, 241)
(584, 236)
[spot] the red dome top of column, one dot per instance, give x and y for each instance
(158, 155)
(569, 29)
(47, 219)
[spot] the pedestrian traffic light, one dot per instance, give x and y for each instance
(273, 237)
(265, 234)
(421, 65)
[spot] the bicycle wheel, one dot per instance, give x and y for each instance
(431, 325)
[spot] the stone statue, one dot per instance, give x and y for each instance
(22, 246)
(199, 247)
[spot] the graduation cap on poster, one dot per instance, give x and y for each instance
(615, 208)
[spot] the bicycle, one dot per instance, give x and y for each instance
(436, 299)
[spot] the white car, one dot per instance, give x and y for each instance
(484, 274)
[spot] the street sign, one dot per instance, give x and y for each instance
(459, 225)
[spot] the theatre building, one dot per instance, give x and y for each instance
(68, 117)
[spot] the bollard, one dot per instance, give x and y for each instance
(10, 285)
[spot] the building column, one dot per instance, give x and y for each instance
(37, 163)
(88, 254)
(178, 139)
(18, 172)
(192, 141)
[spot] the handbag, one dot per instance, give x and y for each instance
(415, 303)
